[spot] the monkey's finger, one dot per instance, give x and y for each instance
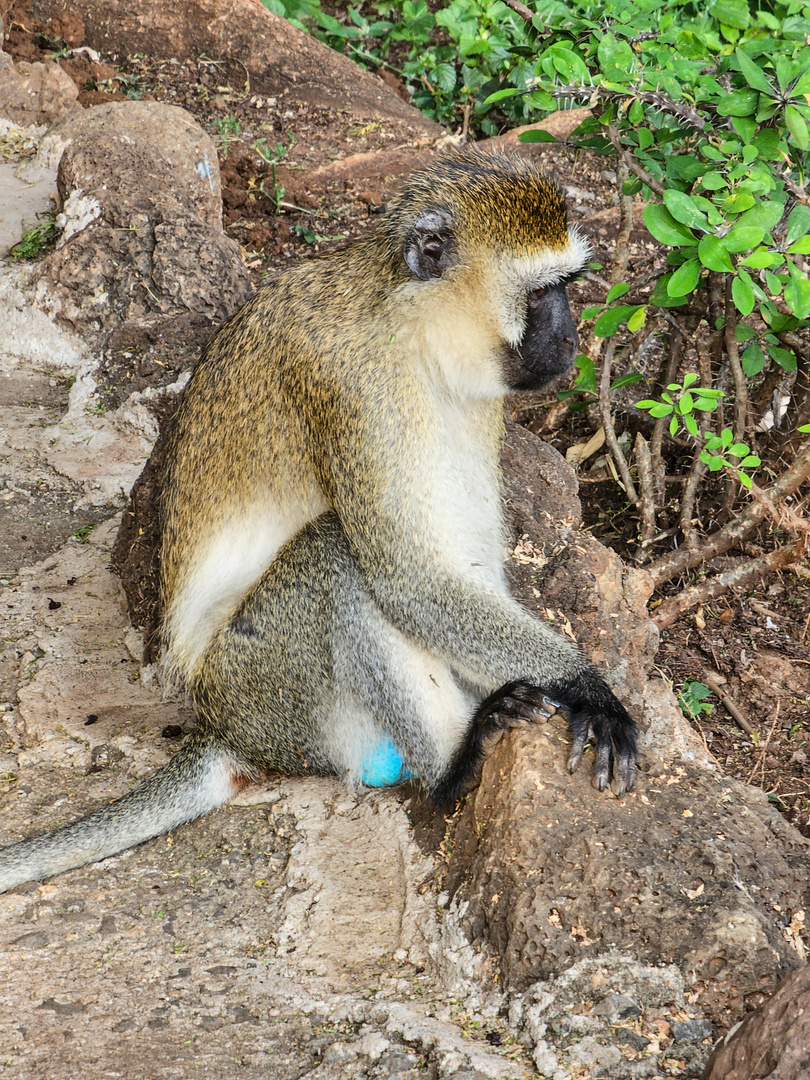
(602, 766)
(624, 773)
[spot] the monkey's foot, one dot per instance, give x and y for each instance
(596, 716)
(384, 766)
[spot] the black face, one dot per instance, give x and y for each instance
(549, 344)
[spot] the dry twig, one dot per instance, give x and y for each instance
(731, 535)
(729, 705)
(712, 587)
(607, 422)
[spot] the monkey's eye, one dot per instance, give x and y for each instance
(535, 296)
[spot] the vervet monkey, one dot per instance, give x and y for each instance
(332, 569)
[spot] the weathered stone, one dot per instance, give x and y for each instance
(142, 240)
(135, 150)
(691, 868)
(34, 93)
(278, 58)
(773, 1042)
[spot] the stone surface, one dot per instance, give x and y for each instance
(278, 58)
(772, 1043)
(34, 93)
(140, 215)
(690, 869)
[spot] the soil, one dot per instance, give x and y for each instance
(755, 644)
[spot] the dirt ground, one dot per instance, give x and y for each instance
(755, 644)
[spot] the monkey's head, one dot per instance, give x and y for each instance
(494, 228)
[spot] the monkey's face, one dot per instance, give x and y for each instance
(548, 344)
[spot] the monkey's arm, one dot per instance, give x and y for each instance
(415, 572)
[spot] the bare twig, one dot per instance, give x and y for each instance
(631, 164)
(520, 9)
(678, 562)
(621, 249)
(733, 354)
(729, 705)
(761, 760)
(657, 438)
(607, 422)
(647, 487)
(745, 574)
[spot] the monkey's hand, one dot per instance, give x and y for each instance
(596, 715)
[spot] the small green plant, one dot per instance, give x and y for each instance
(228, 128)
(692, 699)
(718, 450)
(276, 195)
(35, 242)
(83, 534)
(681, 407)
(272, 155)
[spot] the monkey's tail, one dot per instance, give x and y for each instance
(200, 777)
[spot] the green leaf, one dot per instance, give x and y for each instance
(774, 283)
(690, 424)
(590, 312)
(714, 256)
(637, 319)
(746, 127)
(745, 479)
(611, 320)
(751, 461)
(743, 295)
(685, 278)
(753, 74)
(689, 379)
(536, 135)
(616, 58)
(683, 209)
(673, 426)
(686, 403)
(737, 202)
(797, 126)
(616, 292)
(797, 293)
(798, 224)
(783, 357)
(730, 13)
(743, 238)
(801, 247)
(738, 103)
(713, 181)
(665, 228)
(501, 95)
(626, 380)
(765, 215)
(761, 259)
(752, 360)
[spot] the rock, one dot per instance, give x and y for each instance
(278, 58)
(694, 870)
(773, 1042)
(34, 93)
(86, 147)
(692, 1031)
(142, 238)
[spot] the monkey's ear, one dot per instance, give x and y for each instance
(430, 246)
